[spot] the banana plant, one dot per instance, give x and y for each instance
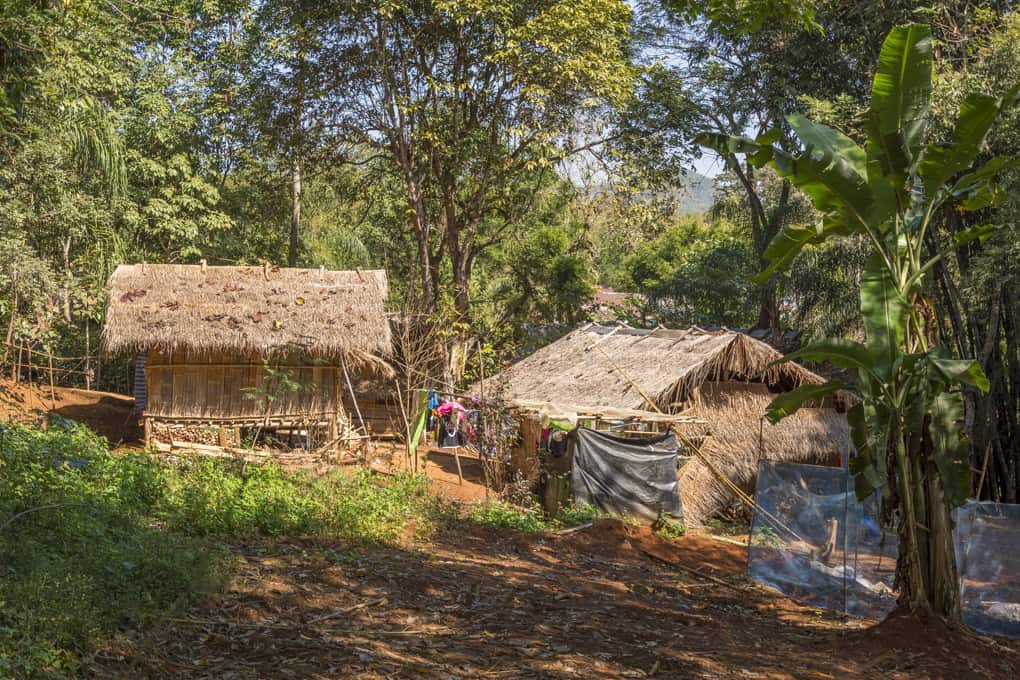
(906, 425)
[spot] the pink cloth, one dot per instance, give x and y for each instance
(448, 407)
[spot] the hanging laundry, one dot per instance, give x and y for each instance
(450, 407)
(451, 436)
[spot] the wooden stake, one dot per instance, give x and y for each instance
(88, 352)
(53, 391)
(16, 369)
(460, 474)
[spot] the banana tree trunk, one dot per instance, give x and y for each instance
(926, 570)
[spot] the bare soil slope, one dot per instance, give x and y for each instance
(610, 601)
(108, 414)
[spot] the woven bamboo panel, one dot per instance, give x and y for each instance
(220, 386)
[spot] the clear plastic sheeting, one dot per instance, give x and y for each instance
(812, 540)
(987, 541)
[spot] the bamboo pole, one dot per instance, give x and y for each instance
(354, 400)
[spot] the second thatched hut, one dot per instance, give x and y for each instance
(716, 384)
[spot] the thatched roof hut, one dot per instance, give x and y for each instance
(721, 381)
(245, 345)
(610, 366)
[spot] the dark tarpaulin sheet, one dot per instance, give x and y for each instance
(632, 477)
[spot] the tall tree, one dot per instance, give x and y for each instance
(466, 100)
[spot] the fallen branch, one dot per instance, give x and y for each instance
(692, 570)
(348, 610)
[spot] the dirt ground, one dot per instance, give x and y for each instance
(111, 415)
(608, 601)
(440, 467)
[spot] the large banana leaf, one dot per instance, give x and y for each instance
(790, 402)
(980, 188)
(965, 371)
(901, 95)
(830, 141)
(840, 352)
(790, 240)
(831, 181)
(884, 313)
(940, 162)
(759, 152)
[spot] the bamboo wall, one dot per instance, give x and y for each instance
(229, 387)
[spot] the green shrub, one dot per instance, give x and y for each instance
(93, 542)
(222, 498)
(668, 529)
(78, 556)
(530, 518)
(572, 516)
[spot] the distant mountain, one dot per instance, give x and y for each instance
(698, 193)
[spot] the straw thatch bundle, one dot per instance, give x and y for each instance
(734, 437)
(598, 366)
(247, 310)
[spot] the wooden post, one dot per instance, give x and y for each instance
(354, 400)
(460, 474)
(147, 427)
(16, 369)
(53, 391)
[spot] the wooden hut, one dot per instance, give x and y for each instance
(716, 385)
(221, 349)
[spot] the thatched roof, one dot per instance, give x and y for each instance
(734, 437)
(581, 368)
(248, 310)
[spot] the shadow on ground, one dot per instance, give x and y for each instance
(607, 602)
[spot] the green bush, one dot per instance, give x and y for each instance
(78, 556)
(572, 516)
(93, 542)
(227, 499)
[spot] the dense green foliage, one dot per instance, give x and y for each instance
(93, 542)
(908, 426)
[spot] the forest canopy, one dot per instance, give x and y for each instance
(502, 161)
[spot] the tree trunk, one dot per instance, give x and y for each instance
(295, 214)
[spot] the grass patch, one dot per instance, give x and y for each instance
(93, 542)
(531, 519)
